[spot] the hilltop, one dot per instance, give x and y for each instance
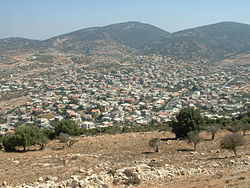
(209, 43)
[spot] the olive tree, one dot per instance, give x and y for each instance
(232, 141)
(194, 137)
(188, 119)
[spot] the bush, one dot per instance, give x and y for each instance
(231, 142)
(154, 143)
(67, 126)
(194, 137)
(188, 119)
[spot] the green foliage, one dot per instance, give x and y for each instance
(11, 141)
(188, 119)
(232, 141)
(124, 129)
(24, 136)
(194, 137)
(49, 133)
(2, 120)
(67, 126)
(155, 143)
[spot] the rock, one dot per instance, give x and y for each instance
(4, 183)
(246, 163)
(51, 178)
(40, 179)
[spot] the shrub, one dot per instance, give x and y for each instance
(65, 138)
(133, 178)
(188, 119)
(235, 126)
(194, 137)
(154, 143)
(231, 142)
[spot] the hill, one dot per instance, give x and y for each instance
(210, 43)
(204, 44)
(125, 38)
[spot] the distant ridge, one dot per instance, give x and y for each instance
(208, 43)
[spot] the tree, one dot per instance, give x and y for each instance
(213, 129)
(188, 119)
(154, 143)
(231, 142)
(25, 136)
(66, 126)
(194, 137)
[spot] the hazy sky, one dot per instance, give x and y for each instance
(42, 19)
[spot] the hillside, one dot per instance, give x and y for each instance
(15, 43)
(101, 162)
(204, 44)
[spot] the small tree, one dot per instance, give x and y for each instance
(194, 137)
(231, 142)
(188, 119)
(213, 129)
(65, 138)
(154, 143)
(245, 125)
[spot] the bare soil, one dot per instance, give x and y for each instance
(93, 154)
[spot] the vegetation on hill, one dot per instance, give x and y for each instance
(188, 124)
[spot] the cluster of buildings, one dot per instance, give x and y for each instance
(138, 91)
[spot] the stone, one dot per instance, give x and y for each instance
(40, 179)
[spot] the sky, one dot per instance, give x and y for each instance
(43, 19)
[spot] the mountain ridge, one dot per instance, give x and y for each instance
(208, 43)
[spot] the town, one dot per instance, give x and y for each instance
(135, 91)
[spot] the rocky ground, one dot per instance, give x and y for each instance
(126, 160)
